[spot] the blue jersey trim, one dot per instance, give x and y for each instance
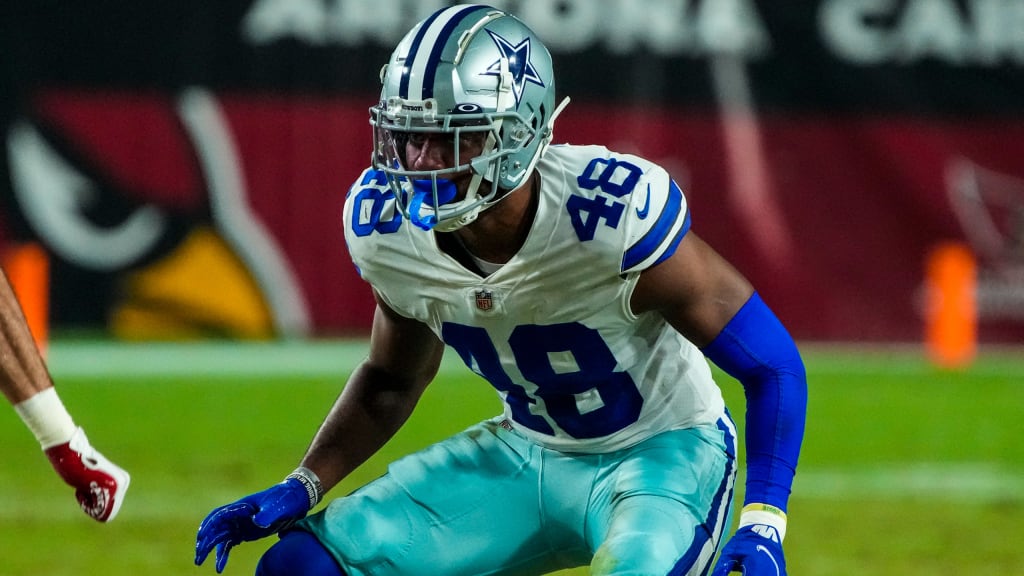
(656, 236)
(671, 249)
(756, 349)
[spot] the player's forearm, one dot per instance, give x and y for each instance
(774, 433)
(22, 370)
(756, 349)
(369, 411)
(24, 379)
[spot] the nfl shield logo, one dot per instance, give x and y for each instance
(484, 300)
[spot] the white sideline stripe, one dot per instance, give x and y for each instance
(947, 482)
(908, 358)
(966, 483)
(329, 357)
(303, 358)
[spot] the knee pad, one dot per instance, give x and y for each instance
(298, 553)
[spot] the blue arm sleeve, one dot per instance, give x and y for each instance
(757, 350)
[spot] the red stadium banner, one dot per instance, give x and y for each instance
(185, 169)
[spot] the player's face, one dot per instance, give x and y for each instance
(437, 151)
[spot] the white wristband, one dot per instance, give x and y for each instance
(46, 417)
(765, 514)
(311, 482)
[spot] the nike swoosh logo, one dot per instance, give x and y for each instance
(761, 548)
(641, 213)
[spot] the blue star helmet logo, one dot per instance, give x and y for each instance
(519, 64)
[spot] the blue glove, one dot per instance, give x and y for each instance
(754, 550)
(251, 518)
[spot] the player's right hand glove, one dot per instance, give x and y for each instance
(754, 550)
(251, 518)
(99, 484)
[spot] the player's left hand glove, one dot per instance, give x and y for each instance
(99, 484)
(754, 550)
(251, 518)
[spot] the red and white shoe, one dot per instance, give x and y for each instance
(99, 484)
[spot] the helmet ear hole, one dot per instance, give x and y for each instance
(542, 113)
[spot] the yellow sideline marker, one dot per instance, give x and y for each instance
(27, 267)
(951, 309)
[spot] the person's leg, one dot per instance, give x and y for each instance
(298, 553)
(466, 505)
(662, 505)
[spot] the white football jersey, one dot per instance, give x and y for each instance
(552, 329)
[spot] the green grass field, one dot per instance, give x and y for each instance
(906, 469)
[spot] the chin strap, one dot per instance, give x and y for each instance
(439, 191)
(415, 203)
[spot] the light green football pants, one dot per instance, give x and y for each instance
(489, 501)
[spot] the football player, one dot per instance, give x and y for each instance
(99, 484)
(570, 279)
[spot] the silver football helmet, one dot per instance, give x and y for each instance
(474, 74)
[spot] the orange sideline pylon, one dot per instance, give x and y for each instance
(951, 309)
(27, 266)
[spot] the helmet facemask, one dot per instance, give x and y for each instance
(428, 198)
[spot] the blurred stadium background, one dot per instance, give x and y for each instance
(176, 169)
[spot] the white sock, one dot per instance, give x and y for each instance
(46, 417)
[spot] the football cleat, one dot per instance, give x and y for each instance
(99, 484)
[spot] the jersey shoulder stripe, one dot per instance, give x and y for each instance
(660, 240)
